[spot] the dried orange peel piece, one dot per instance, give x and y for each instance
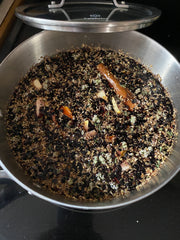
(67, 112)
(121, 91)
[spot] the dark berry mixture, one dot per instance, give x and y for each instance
(74, 133)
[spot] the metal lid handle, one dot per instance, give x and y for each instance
(62, 2)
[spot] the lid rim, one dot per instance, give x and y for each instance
(41, 20)
(88, 26)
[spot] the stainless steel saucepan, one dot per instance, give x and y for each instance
(137, 45)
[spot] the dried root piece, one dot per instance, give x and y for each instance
(39, 104)
(125, 166)
(115, 106)
(37, 84)
(86, 125)
(102, 94)
(91, 134)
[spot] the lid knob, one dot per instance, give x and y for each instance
(56, 5)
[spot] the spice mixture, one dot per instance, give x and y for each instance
(90, 124)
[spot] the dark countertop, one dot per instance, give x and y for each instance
(156, 217)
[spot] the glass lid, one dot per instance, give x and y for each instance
(99, 17)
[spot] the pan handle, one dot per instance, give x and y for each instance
(9, 190)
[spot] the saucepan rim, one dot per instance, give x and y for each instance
(71, 204)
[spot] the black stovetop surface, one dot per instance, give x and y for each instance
(25, 217)
(156, 217)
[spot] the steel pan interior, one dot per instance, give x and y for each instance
(137, 45)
